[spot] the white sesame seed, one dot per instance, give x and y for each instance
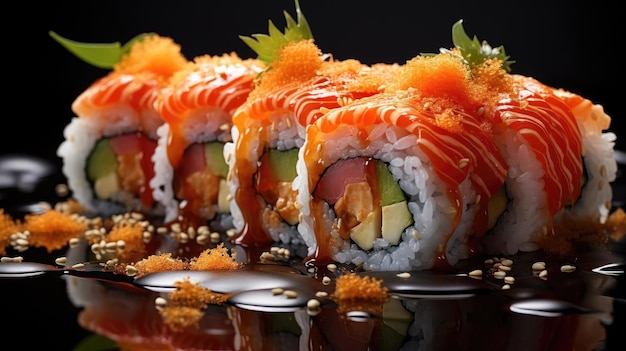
(277, 291)
(509, 280)
(543, 274)
(506, 287)
(61, 261)
(499, 274)
(476, 273)
(290, 294)
(539, 266)
(321, 294)
(567, 268)
(325, 280)
(404, 275)
(507, 262)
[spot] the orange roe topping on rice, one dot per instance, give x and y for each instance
(132, 236)
(444, 84)
(295, 63)
(215, 259)
(52, 229)
(8, 226)
(158, 55)
(185, 305)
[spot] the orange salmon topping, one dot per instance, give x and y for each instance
(52, 229)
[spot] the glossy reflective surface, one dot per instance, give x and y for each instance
(583, 309)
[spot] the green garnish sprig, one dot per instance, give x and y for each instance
(101, 55)
(475, 52)
(266, 46)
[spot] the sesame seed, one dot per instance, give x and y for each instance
(476, 273)
(290, 294)
(507, 262)
(543, 274)
(504, 268)
(61, 261)
(325, 280)
(463, 162)
(539, 266)
(567, 268)
(509, 280)
(131, 270)
(215, 237)
(321, 294)
(313, 304)
(277, 291)
(499, 274)
(404, 275)
(78, 265)
(506, 287)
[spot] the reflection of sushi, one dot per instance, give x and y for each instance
(269, 129)
(108, 147)
(198, 105)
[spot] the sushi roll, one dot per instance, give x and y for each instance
(268, 129)
(108, 146)
(406, 179)
(197, 106)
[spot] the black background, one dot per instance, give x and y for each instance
(575, 46)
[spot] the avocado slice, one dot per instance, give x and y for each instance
(283, 164)
(102, 160)
(214, 156)
(388, 187)
(395, 218)
(495, 207)
(367, 231)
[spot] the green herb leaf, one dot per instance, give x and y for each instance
(267, 45)
(101, 55)
(474, 52)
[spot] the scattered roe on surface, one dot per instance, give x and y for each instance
(8, 226)
(52, 229)
(215, 259)
(295, 63)
(159, 263)
(185, 305)
(132, 235)
(158, 55)
(356, 292)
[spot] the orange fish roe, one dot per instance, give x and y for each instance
(215, 259)
(295, 63)
(155, 54)
(8, 226)
(185, 305)
(352, 286)
(132, 236)
(359, 293)
(52, 229)
(616, 224)
(159, 263)
(444, 83)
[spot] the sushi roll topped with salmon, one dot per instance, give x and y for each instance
(197, 106)
(300, 84)
(109, 145)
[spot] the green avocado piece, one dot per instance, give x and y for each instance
(495, 207)
(283, 164)
(102, 160)
(214, 156)
(389, 189)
